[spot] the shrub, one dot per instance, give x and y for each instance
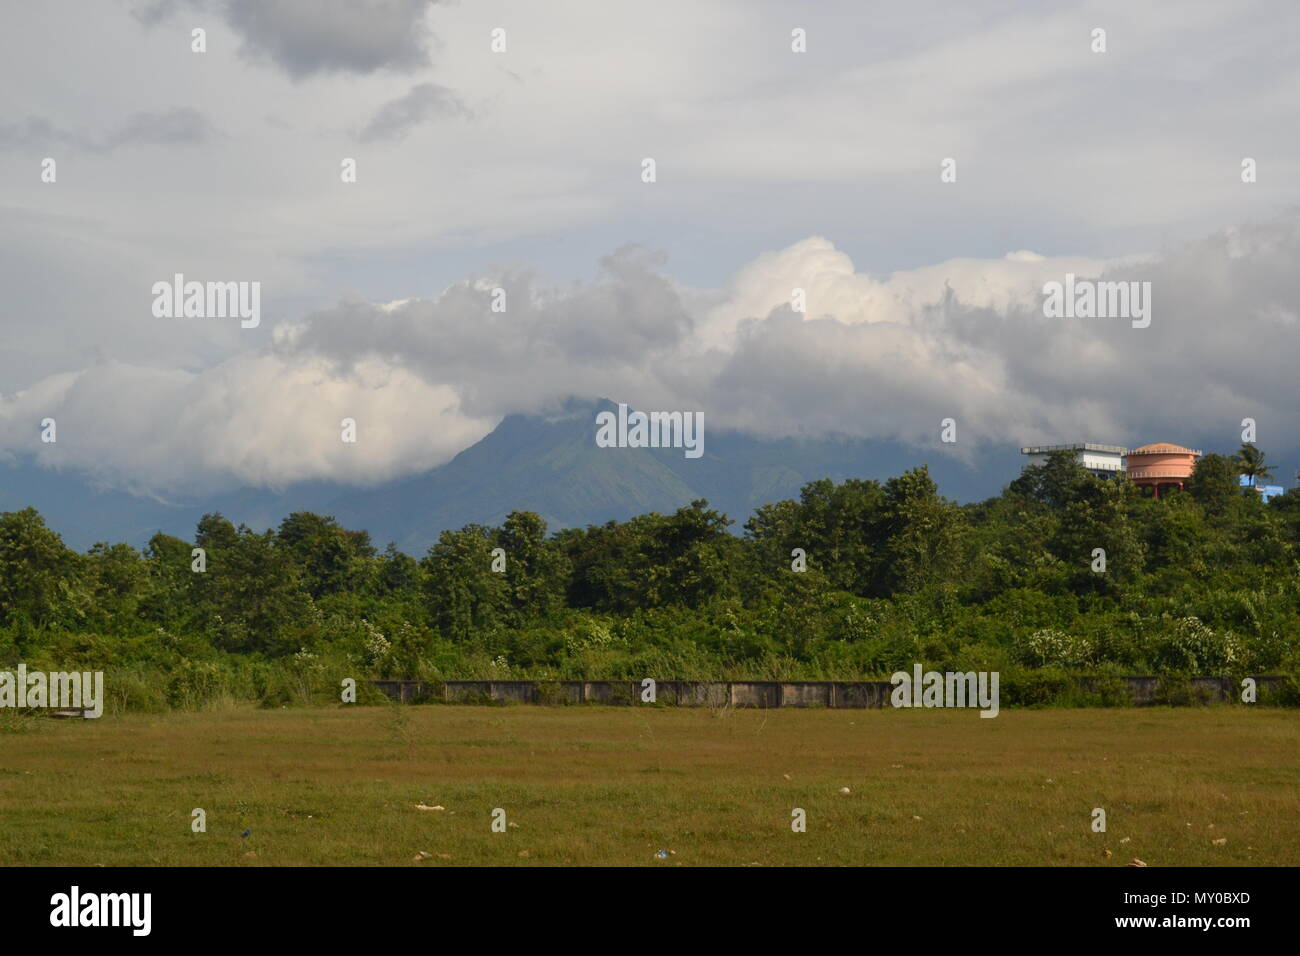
(1048, 647)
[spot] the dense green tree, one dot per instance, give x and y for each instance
(537, 570)
(1098, 518)
(467, 599)
(40, 581)
(1008, 547)
(923, 547)
(654, 560)
(267, 593)
(398, 572)
(215, 533)
(250, 597)
(772, 534)
(118, 578)
(1055, 483)
(1179, 545)
(693, 557)
(844, 529)
(331, 559)
(1214, 484)
(173, 589)
(607, 562)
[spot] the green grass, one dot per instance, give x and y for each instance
(595, 785)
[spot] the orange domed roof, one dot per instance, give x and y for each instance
(1163, 448)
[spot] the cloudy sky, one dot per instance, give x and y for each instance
(522, 170)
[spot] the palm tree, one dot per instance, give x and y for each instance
(1250, 462)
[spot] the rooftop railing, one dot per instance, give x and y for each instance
(1078, 446)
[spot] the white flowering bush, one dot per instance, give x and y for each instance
(304, 659)
(1188, 644)
(377, 647)
(1048, 647)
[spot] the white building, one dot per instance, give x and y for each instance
(1104, 461)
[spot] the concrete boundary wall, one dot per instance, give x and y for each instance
(761, 694)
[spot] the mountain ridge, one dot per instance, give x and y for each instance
(544, 462)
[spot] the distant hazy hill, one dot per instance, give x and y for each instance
(548, 464)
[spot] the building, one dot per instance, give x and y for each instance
(1104, 461)
(1161, 466)
(1266, 492)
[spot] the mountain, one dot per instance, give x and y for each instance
(544, 463)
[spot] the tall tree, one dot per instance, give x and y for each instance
(397, 571)
(695, 557)
(173, 588)
(1100, 519)
(1250, 462)
(1214, 484)
(250, 595)
(653, 560)
(1055, 483)
(118, 577)
(537, 570)
(332, 559)
(39, 576)
(467, 599)
(923, 548)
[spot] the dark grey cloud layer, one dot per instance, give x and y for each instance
(181, 125)
(425, 101)
(321, 36)
(306, 37)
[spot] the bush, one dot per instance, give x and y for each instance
(1048, 647)
(1187, 645)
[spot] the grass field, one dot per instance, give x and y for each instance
(591, 785)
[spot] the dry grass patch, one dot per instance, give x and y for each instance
(594, 785)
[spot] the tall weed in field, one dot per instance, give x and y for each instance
(14, 721)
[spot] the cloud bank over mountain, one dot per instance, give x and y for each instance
(881, 358)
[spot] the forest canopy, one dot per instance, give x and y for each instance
(850, 580)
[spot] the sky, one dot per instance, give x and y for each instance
(522, 169)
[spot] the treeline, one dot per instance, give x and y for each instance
(1062, 572)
